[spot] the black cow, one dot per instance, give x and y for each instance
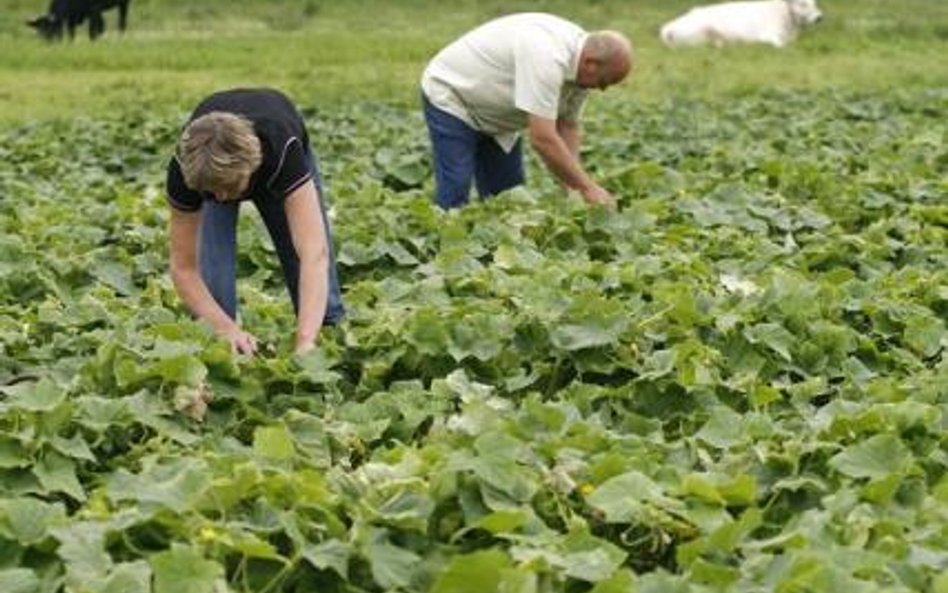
(69, 14)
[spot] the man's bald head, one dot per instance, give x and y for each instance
(606, 59)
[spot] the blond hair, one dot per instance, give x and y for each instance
(218, 150)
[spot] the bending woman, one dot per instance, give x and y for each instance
(250, 145)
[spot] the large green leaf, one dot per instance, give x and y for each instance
(183, 569)
(479, 572)
(392, 566)
(623, 581)
(724, 429)
(82, 548)
(178, 485)
(317, 367)
(42, 396)
(19, 580)
(129, 577)
(926, 334)
(28, 519)
(429, 333)
(591, 322)
(330, 554)
(591, 559)
(13, 454)
(623, 499)
(273, 442)
(75, 447)
(877, 457)
(58, 474)
(774, 336)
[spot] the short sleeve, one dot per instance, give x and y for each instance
(538, 77)
(179, 195)
(292, 169)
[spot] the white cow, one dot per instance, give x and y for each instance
(758, 21)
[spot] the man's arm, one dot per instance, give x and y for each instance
(561, 160)
(186, 276)
(572, 133)
(307, 231)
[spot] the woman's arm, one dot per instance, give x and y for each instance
(186, 276)
(307, 230)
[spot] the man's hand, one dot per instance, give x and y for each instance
(304, 346)
(595, 194)
(557, 143)
(241, 341)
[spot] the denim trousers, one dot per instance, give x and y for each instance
(461, 153)
(217, 249)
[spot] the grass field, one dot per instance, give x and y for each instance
(329, 53)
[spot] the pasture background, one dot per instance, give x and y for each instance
(327, 53)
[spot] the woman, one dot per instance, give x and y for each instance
(249, 144)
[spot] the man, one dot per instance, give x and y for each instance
(524, 71)
(249, 144)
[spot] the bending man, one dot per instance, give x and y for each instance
(527, 71)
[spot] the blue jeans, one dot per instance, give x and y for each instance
(461, 152)
(218, 250)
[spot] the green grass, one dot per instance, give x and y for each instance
(350, 50)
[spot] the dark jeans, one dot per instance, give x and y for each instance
(218, 250)
(461, 152)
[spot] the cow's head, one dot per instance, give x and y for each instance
(48, 26)
(805, 12)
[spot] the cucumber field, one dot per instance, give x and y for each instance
(734, 383)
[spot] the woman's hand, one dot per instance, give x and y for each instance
(184, 230)
(307, 230)
(240, 341)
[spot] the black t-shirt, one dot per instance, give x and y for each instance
(283, 142)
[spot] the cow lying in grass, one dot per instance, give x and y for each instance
(776, 22)
(69, 14)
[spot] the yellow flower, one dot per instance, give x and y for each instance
(586, 489)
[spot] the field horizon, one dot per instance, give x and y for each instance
(330, 54)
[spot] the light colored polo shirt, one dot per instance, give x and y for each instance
(496, 75)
